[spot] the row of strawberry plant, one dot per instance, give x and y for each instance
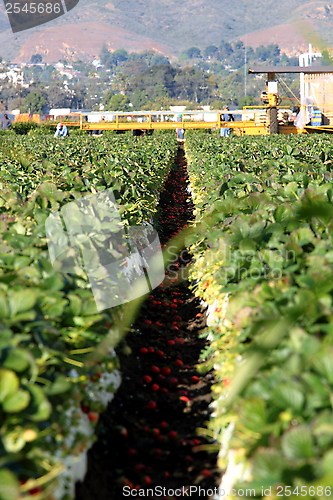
(264, 263)
(51, 390)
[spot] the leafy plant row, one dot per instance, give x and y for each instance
(264, 263)
(51, 378)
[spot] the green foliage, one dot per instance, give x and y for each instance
(35, 102)
(118, 102)
(23, 128)
(53, 343)
(36, 58)
(264, 210)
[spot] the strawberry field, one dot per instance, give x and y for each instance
(247, 225)
(263, 261)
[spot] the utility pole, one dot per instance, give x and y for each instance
(245, 68)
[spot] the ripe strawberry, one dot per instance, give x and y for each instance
(35, 491)
(147, 480)
(172, 434)
(195, 379)
(170, 342)
(155, 431)
(164, 390)
(85, 409)
(166, 370)
(139, 467)
(184, 398)
(124, 432)
(155, 369)
(151, 349)
(179, 362)
(93, 416)
(147, 322)
(160, 353)
(173, 380)
(166, 475)
(127, 482)
(164, 424)
(147, 379)
(155, 387)
(151, 405)
(143, 350)
(206, 473)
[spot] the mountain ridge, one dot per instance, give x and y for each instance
(173, 25)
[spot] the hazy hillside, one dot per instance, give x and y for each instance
(173, 23)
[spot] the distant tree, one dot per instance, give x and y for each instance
(133, 68)
(145, 56)
(225, 50)
(119, 55)
(104, 54)
(35, 102)
(239, 45)
(217, 105)
(275, 53)
(58, 98)
(139, 98)
(269, 53)
(247, 101)
(211, 51)
(193, 53)
(118, 102)
(159, 59)
(36, 58)
(327, 58)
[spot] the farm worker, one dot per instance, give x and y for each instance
(5, 122)
(226, 117)
(180, 132)
(61, 131)
(100, 132)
